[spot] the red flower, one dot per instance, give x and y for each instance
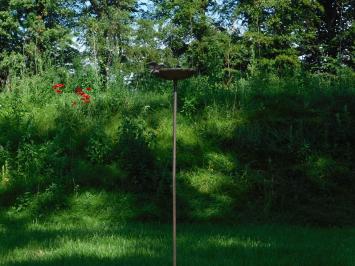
(59, 85)
(85, 96)
(89, 89)
(86, 100)
(79, 90)
(58, 91)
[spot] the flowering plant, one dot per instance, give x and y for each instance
(57, 87)
(84, 97)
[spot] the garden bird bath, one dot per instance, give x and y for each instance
(173, 74)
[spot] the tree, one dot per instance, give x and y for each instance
(31, 31)
(283, 31)
(335, 34)
(185, 21)
(107, 30)
(279, 32)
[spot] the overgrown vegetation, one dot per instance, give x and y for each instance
(265, 130)
(263, 149)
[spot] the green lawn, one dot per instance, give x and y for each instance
(90, 241)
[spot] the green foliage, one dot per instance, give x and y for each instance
(220, 162)
(40, 204)
(32, 164)
(99, 146)
(32, 33)
(136, 157)
(107, 32)
(92, 206)
(260, 148)
(206, 195)
(265, 132)
(321, 170)
(209, 54)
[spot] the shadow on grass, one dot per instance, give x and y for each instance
(93, 261)
(150, 244)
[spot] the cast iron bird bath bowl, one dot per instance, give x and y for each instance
(173, 74)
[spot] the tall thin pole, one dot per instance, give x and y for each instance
(174, 172)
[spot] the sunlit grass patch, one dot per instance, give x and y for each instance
(208, 182)
(186, 133)
(44, 118)
(205, 193)
(190, 146)
(220, 124)
(222, 162)
(90, 207)
(246, 242)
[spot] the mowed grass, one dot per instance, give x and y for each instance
(62, 240)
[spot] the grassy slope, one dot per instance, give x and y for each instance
(263, 149)
(91, 230)
(86, 234)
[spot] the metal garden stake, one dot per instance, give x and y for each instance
(173, 74)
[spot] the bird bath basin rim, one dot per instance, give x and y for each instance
(174, 73)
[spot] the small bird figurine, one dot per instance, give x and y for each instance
(155, 67)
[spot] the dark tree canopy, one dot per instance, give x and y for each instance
(224, 36)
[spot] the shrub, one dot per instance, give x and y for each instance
(136, 156)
